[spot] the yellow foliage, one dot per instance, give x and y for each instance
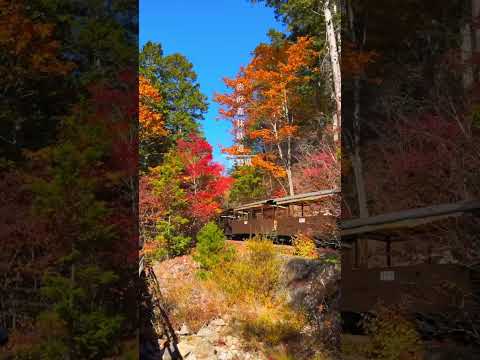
(251, 277)
(393, 336)
(304, 246)
(274, 326)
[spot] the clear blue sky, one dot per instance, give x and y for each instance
(217, 36)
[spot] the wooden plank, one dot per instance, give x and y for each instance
(306, 197)
(407, 218)
(393, 225)
(311, 196)
(362, 253)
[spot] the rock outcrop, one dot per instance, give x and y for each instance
(212, 342)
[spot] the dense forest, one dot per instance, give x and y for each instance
(68, 169)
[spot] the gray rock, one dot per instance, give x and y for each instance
(206, 332)
(225, 355)
(308, 281)
(204, 350)
(218, 322)
(184, 348)
(184, 330)
(166, 356)
(190, 356)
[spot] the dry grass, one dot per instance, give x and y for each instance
(245, 287)
(191, 301)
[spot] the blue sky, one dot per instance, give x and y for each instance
(217, 36)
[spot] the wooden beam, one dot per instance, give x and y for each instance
(393, 225)
(312, 196)
(407, 218)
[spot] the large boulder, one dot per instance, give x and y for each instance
(309, 282)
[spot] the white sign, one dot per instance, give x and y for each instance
(301, 220)
(387, 275)
(245, 222)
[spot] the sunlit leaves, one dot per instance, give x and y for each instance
(150, 118)
(268, 93)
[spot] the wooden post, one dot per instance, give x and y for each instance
(389, 252)
(249, 224)
(362, 253)
(356, 261)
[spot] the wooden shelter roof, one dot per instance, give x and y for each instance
(406, 218)
(300, 198)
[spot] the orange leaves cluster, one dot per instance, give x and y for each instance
(236, 150)
(266, 135)
(244, 87)
(267, 92)
(355, 61)
(151, 120)
(269, 136)
(32, 43)
(276, 71)
(267, 84)
(261, 161)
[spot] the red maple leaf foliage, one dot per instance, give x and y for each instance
(116, 107)
(319, 170)
(204, 181)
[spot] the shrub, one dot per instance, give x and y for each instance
(170, 239)
(194, 314)
(250, 277)
(274, 326)
(393, 336)
(304, 246)
(210, 246)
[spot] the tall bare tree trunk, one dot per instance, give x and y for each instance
(467, 51)
(335, 63)
(356, 157)
(470, 74)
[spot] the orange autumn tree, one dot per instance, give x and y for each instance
(152, 131)
(150, 117)
(268, 94)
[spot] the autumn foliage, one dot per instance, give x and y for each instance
(203, 178)
(180, 195)
(267, 93)
(150, 118)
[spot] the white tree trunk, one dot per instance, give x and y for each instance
(335, 63)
